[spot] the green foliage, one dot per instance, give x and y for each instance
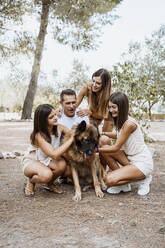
(76, 23)
(46, 94)
(141, 76)
(17, 108)
(125, 80)
(3, 109)
(14, 39)
(148, 59)
(78, 76)
(79, 23)
(13, 94)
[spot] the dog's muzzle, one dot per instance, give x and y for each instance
(87, 147)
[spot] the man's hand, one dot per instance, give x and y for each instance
(58, 112)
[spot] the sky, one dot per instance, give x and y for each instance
(137, 20)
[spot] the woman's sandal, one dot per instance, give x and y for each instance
(28, 192)
(53, 188)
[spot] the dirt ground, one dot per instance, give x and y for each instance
(56, 221)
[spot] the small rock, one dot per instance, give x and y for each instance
(162, 230)
(133, 223)
(18, 153)
(114, 221)
(1, 155)
(10, 155)
(121, 204)
(99, 215)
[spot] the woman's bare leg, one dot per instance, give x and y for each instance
(36, 173)
(105, 159)
(58, 167)
(112, 159)
(120, 157)
(124, 175)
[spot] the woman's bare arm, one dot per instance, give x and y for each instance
(83, 92)
(49, 150)
(128, 128)
(63, 129)
(111, 135)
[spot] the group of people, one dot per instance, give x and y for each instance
(128, 159)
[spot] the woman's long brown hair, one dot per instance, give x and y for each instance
(102, 99)
(40, 124)
(121, 100)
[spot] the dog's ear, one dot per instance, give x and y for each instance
(81, 127)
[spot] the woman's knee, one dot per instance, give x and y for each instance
(28, 172)
(46, 176)
(60, 167)
(110, 179)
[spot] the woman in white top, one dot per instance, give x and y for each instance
(138, 163)
(43, 162)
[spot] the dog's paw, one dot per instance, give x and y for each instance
(104, 187)
(77, 197)
(99, 193)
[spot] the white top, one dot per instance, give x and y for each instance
(135, 143)
(69, 122)
(40, 155)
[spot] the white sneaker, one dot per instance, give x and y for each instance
(144, 187)
(118, 189)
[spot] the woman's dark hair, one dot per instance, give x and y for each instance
(41, 123)
(104, 93)
(121, 100)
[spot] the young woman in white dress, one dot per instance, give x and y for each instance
(129, 149)
(43, 162)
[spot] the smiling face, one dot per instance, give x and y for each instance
(113, 109)
(96, 84)
(69, 105)
(52, 119)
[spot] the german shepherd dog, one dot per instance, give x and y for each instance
(83, 159)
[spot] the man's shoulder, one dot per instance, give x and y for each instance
(66, 120)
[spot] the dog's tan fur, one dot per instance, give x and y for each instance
(82, 167)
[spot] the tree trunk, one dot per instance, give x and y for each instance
(29, 99)
(149, 111)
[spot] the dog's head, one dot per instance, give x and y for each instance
(86, 138)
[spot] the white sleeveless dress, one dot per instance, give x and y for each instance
(136, 150)
(34, 153)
